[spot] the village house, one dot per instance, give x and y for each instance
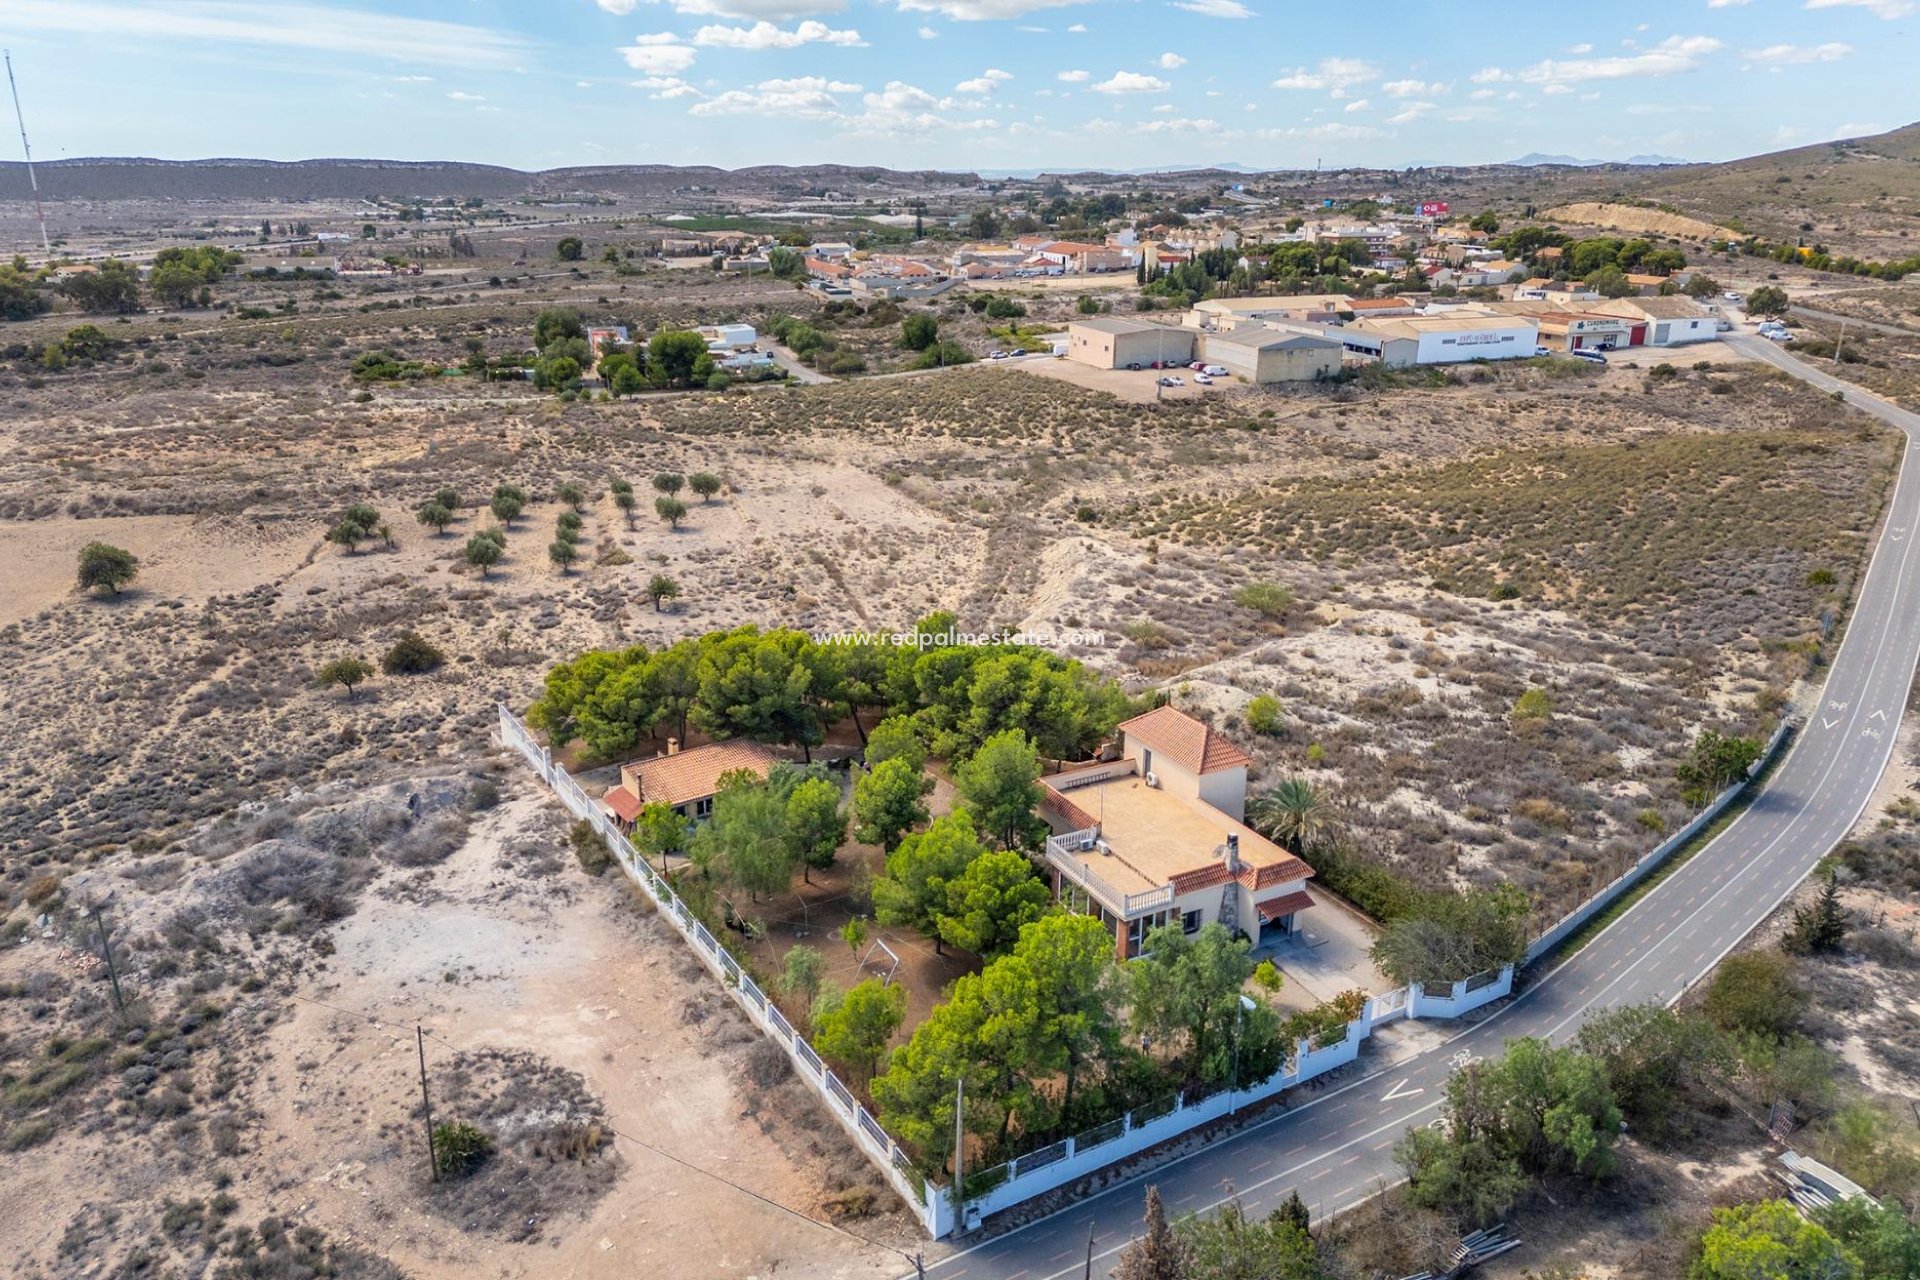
(684, 781)
(1158, 837)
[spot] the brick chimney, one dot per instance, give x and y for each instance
(673, 746)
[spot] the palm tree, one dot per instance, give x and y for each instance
(1295, 813)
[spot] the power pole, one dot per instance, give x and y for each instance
(426, 1102)
(1088, 1274)
(106, 952)
(959, 1156)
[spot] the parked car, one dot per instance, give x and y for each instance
(1779, 335)
(1591, 357)
(1135, 366)
(1723, 325)
(1016, 353)
(1543, 351)
(996, 355)
(1215, 371)
(1198, 366)
(1205, 380)
(1731, 296)
(1173, 382)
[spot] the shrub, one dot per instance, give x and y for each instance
(589, 848)
(1263, 714)
(459, 1149)
(105, 565)
(1755, 992)
(412, 655)
(1534, 705)
(1269, 599)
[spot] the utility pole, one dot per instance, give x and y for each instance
(1088, 1274)
(959, 1156)
(106, 952)
(426, 1102)
(1840, 341)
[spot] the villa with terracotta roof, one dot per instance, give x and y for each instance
(684, 781)
(1158, 837)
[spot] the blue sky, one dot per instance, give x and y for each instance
(959, 84)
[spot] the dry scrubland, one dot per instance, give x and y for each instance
(262, 839)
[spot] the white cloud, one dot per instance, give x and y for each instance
(986, 82)
(754, 10)
(619, 7)
(928, 33)
(659, 54)
(1322, 132)
(299, 26)
(1171, 62)
(902, 109)
(1335, 75)
(1411, 88)
(666, 88)
(1215, 8)
(1358, 104)
(1856, 130)
(767, 35)
(461, 95)
(1794, 54)
(982, 10)
(1726, 4)
(1131, 82)
(1410, 113)
(1671, 56)
(1077, 29)
(411, 79)
(1074, 77)
(1580, 48)
(808, 97)
(1180, 124)
(1887, 9)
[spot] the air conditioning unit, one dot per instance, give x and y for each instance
(1105, 848)
(1153, 780)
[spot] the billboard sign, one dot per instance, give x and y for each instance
(1433, 208)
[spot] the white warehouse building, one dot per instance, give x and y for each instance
(1448, 339)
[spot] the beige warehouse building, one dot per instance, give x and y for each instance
(1264, 356)
(1110, 342)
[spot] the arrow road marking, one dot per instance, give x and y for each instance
(1878, 715)
(1828, 724)
(1401, 1091)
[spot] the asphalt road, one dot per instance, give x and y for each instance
(1336, 1148)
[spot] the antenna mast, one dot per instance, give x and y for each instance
(38, 208)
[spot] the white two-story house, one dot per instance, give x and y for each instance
(1156, 837)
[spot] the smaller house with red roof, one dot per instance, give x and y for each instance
(684, 781)
(1158, 837)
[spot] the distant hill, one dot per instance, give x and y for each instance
(144, 179)
(1534, 159)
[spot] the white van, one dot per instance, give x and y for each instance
(1215, 371)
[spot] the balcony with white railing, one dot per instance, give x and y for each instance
(1072, 855)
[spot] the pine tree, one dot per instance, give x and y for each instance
(1295, 1211)
(1822, 926)
(1156, 1253)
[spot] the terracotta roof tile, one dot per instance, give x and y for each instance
(691, 775)
(1299, 900)
(1187, 741)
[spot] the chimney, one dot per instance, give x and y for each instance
(673, 746)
